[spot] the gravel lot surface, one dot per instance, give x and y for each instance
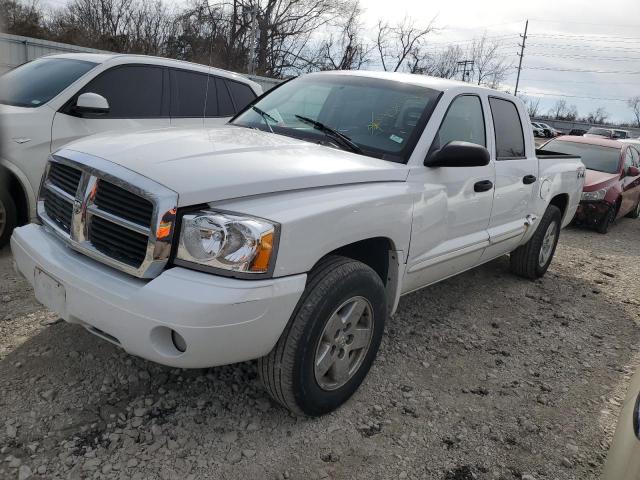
(484, 376)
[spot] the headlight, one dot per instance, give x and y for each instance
(227, 241)
(595, 195)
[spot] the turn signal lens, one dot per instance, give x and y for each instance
(264, 250)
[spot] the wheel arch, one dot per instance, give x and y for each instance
(22, 197)
(381, 254)
(562, 202)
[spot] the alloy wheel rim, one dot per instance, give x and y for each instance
(3, 218)
(344, 343)
(547, 244)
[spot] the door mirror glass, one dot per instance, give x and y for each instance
(92, 103)
(459, 154)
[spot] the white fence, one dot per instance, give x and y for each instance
(16, 50)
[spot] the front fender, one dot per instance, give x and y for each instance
(318, 221)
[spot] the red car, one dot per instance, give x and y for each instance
(612, 183)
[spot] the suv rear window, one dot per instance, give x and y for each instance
(508, 129)
(35, 83)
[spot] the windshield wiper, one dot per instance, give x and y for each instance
(265, 116)
(340, 138)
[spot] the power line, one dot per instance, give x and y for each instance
(575, 96)
(590, 57)
(544, 20)
(621, 72)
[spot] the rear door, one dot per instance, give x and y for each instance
(189, 91)
(137, 101)
(226, 98)
(516, 178)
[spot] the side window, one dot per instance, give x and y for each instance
(242, 94)
(188, 94)
(508, 129)
(133, 91)
(225, 105)
(463, 121)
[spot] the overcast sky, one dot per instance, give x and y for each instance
(567, 34)
(597, 36)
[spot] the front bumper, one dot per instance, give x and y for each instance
(222, 320)
(591, 212)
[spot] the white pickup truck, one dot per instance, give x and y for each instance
(290, 234)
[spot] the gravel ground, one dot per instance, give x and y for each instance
(484, 376)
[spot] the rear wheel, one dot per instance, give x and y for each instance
(532, 259)
(8, 217)
(331, 340)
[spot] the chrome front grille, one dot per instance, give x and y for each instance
(108, 212)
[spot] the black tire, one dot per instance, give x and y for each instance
(524, 261)
(287, 372)
(8, 217)
(635, 213)
(608, 219)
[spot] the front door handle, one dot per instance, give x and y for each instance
(528, 179)
(483, 186)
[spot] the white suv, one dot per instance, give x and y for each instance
(51, 101)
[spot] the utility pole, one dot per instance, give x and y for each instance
(467, 68)
(253, 36)
(521, 54)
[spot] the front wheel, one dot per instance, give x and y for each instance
(331, 340)
(608, 219)
(532, 259)
(8, 217)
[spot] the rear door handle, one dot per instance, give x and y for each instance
(528, 179)
(483, 186)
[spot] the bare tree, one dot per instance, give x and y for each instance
(572, 113)
(598, 116)
(400, 43)
(22, 18)
(634, 105)
(443, 64)
(558, 110)
(490, 67)
(346, 49)
(533, 106)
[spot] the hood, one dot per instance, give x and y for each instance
(595, 180)
(205, 165)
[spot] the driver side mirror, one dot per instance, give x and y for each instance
(459, 154)
(633, 171)
(91, 103)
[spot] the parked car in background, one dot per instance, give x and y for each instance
(538, 131)
(612, 184)
(51, 101)
(549, 131)
(612, 133)
(577, 132)
(290, 234)
(623, 460)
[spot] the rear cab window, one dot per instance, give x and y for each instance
(508, 129)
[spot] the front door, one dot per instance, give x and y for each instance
(135, 95)
(453, 209)
(516, 179)
(630, 183)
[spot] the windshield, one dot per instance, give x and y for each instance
(594, 157)
(35, 83)
(383, 118)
